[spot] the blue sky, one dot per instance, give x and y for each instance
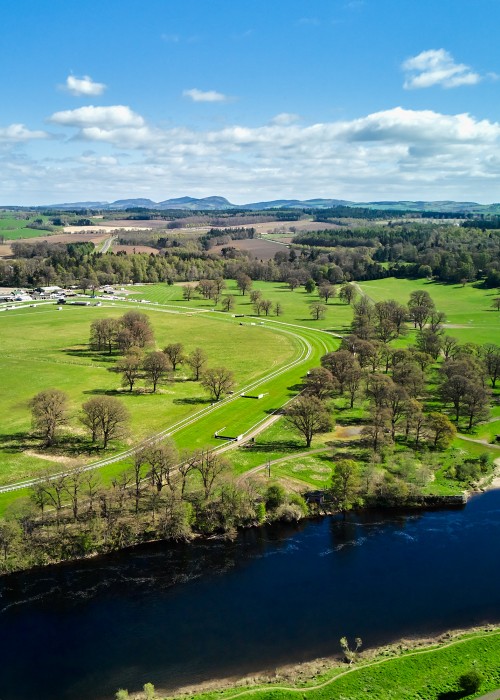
(352, 99)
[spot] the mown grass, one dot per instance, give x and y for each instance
(423, 674)
(469, 311)
(296, 304)
(43, 348)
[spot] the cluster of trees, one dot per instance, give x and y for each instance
(161, 495)
(105, 417)
(396, 383)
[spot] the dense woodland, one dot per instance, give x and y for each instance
(403, 248)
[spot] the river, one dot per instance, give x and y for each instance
(174, 615)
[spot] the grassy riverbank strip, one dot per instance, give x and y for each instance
(408, 670)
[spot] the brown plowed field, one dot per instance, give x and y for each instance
(131, 249)
(258, 248)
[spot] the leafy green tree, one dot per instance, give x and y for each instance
(441, 429)
(345, 489)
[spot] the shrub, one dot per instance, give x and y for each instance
(470, 682)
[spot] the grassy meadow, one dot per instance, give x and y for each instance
(44, 348)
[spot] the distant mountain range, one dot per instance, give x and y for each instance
(222, 204)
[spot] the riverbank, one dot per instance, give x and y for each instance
(431, 663)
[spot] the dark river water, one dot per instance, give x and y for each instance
(182, 614)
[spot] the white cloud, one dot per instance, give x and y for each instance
(99, 117)
(18, 133)
(83, 86)
(285, 118)
(392, 154)
(437, 67)
(205, 96)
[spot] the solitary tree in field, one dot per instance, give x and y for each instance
(348, 293)
(326, 291)
(156, 366)
(228, 302)
(49, 410)
(218, 381)
(318, 311)
(308, 415)
(106, 417)
(197, 360)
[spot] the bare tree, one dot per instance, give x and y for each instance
(130, 368)
(326, 292)
(211, 466)
(228, 302)
(317, 311)
(162, 459)
(107, 415)
(49, 411)
(244, 283)
(175, 353)
(187, 292)
(156, 366)
(197, 360)
(218, 381)
(308, 415)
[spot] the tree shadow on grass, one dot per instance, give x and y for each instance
(192, 401)
(108, 392)
(275, 446)
(91, 355)
(453, 695)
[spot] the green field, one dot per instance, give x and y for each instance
(296, 304)
(470, 316)
(47, 348)
(422, 674)
(13, 229)
(57, 355)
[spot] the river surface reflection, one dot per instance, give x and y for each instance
(174, 615)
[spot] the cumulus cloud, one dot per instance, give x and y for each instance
(100, 117)
(18, 133)
(205, 96)
(83, 87)
(437, 67)
(391, 154)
